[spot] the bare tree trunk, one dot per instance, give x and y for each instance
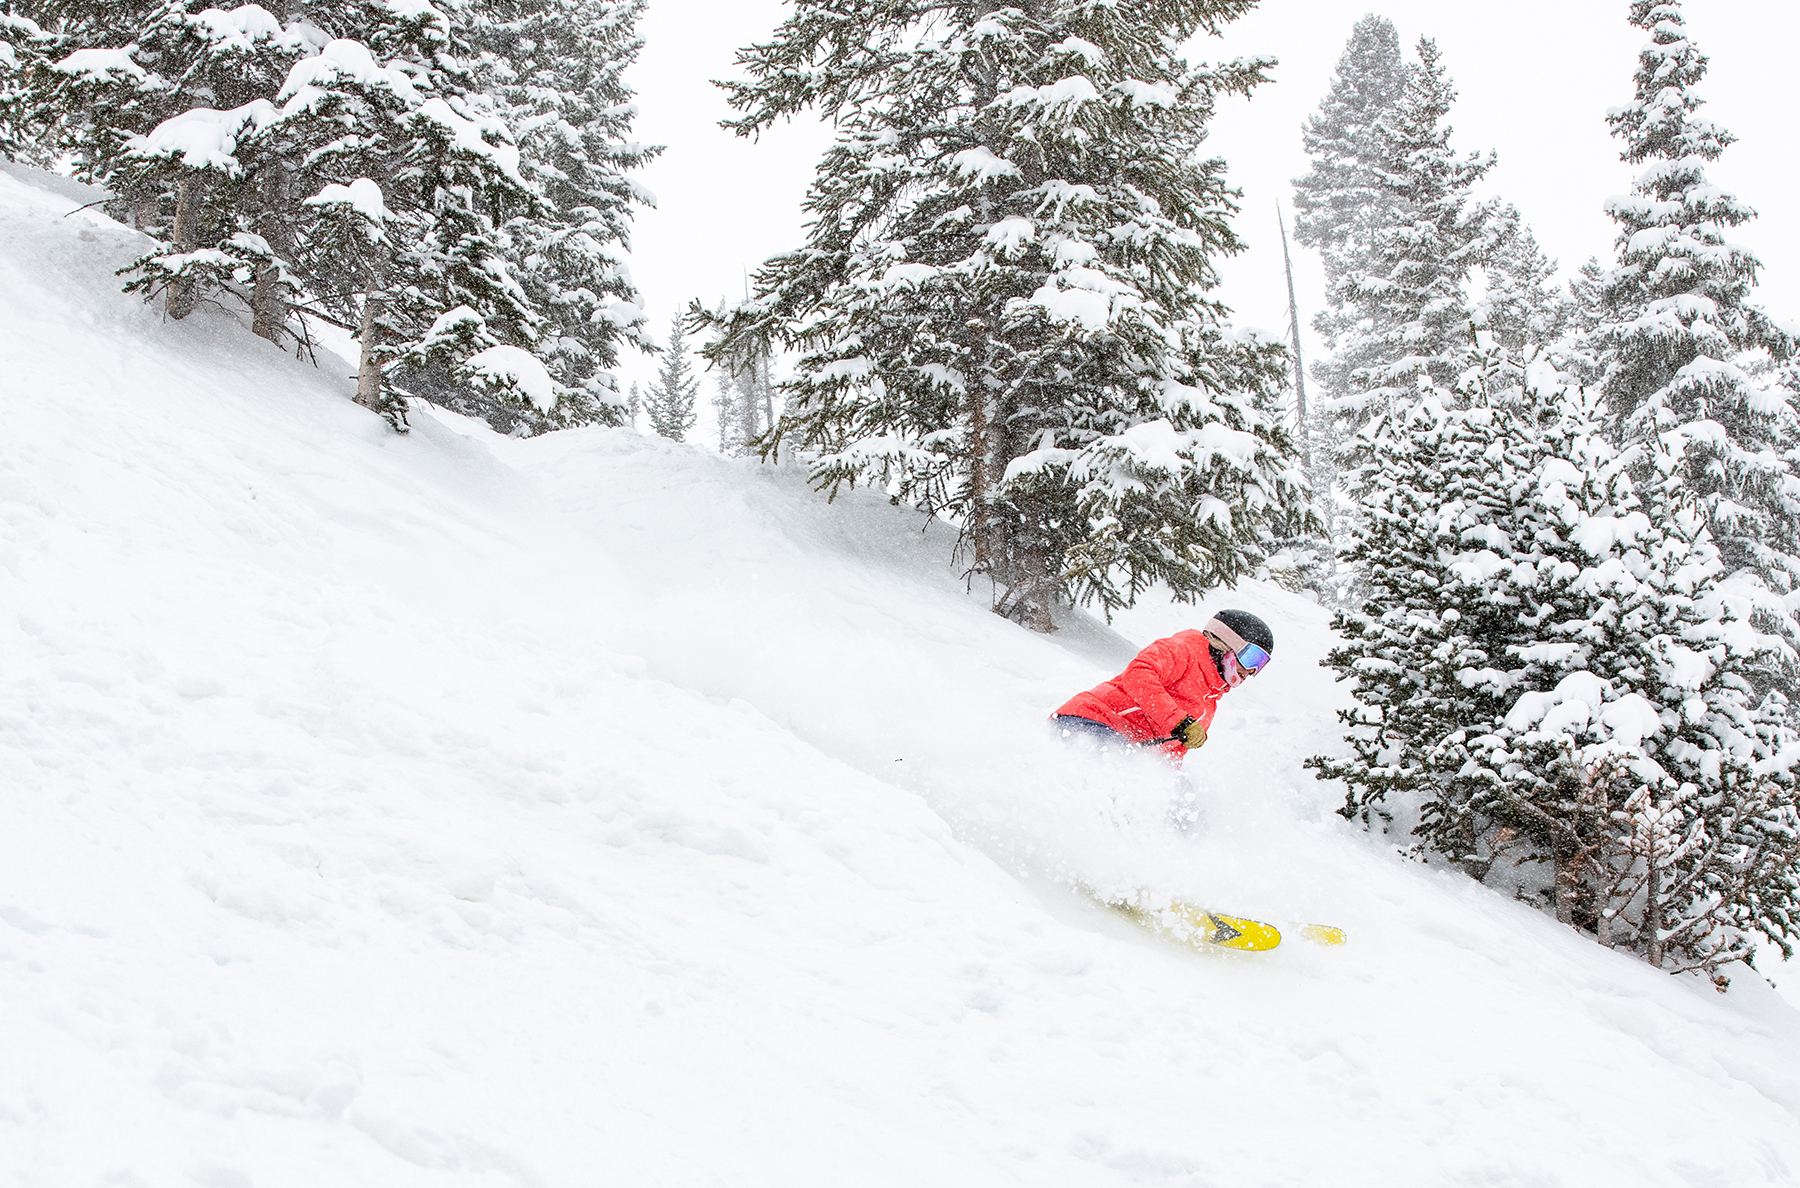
(1300, 421)
(181, 300)
(979, 527)
(268, 312)
(1653, 904)
(766, 386)
(744, 404)
(368, 372)
(268, 308)
(1037, 590)
(1567, 878)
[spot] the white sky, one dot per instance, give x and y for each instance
(1535, 78)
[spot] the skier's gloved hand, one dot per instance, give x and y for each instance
(1191, 733)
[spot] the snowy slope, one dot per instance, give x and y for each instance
(447, 809)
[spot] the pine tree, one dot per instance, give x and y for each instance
(174, 124)
(363, 177)
(23, 45)
(433, 289)
(91, 93)
(1524, 305)
(1551, 479)
(1341, 202)
(1555, 678)
(728, 412)
(754, 379)
(1426, 649)
(999, 309)
(555, 69)
(1580, 351)
(741, 403)
(670, 404)
(1387, 204)
(1640, 759)
(1409, 301)
(744, 400)
(1678, 335)
(634, 404)
(1399, 316)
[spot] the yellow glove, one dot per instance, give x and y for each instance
(1191, 733)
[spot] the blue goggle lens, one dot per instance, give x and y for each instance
(1252, 658)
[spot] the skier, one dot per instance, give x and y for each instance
(1168, 693)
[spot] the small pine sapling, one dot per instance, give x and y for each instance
(670, 403)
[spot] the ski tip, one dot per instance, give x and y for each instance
(1323, 934)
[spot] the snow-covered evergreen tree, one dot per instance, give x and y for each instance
(92, 94)
(728, 412)
(1557, 680)
(1341, 202)
(1426, 649)
(1225, 461)
(744, 399)
(1524, 306)
(348, 160)
(440, 174)
(1643, 758)
(1530, 474)
(743, 402)
(169, 108)
(1000, 309)
(670, 402)
(755, 381)
(1580, 350)
(555, 69)
(1387, 204)
(1410, 302)
(1678, 333)
(23, 45)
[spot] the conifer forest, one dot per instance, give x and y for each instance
(1553, 507)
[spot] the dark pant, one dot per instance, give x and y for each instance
(1075, 729)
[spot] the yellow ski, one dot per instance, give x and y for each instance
(1199, 928)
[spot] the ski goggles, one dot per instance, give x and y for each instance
(1250, 657)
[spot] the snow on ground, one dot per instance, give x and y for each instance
(449, 809)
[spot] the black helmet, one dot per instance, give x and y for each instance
(1241, 623)
(1252, 629)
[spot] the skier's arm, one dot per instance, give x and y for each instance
(1148, 677)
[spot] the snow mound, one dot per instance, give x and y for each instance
(452, 809)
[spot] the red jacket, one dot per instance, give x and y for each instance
(1172, 679)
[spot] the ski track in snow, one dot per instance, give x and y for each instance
(450, 809)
